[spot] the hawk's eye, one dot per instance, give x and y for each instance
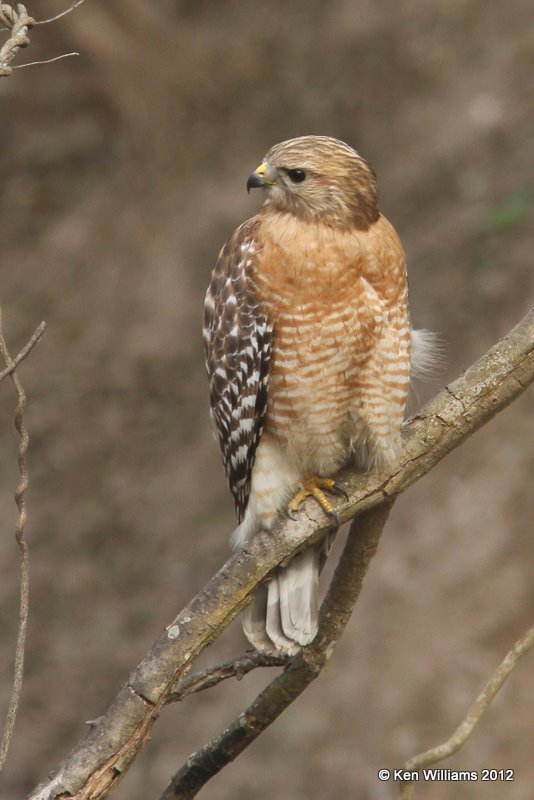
(296, 175)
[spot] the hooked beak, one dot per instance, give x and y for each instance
(259, 178)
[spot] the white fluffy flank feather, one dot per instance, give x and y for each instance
(427, 355)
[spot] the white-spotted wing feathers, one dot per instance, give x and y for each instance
(237, 340)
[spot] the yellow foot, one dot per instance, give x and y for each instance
(313, 486)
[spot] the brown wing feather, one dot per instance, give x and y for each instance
(237, 340)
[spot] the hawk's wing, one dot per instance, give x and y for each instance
(237, 340)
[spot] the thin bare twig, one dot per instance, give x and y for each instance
(61, 14)
(473, 716)
(20, 499)
(234, 668)
(45, 61)
(24, 352)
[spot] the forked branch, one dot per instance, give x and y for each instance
(336, 609)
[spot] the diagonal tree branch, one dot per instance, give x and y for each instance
(97, 763)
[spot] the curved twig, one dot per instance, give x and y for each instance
(234, 668)
(61, 14)
(473, 716)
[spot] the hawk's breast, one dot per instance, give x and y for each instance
(310, 286)
(337, 303)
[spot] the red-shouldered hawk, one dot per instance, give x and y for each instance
(308, 340)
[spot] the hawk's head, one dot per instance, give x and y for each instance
(319, 178)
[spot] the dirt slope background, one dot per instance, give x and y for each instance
(122, 173)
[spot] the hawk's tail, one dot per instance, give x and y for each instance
(283, 614)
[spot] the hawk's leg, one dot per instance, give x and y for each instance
(313, 486)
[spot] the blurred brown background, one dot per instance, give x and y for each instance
(122, 173)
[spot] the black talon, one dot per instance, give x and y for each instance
(340, 491)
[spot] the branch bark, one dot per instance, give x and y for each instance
(236, 668)
(12, 364)
(19, 24)
(336, 609)
(98, 762)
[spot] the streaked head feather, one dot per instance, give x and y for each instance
(339, 187)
